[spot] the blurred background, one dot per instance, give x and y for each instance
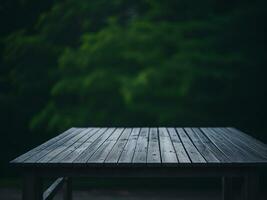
(128, 63)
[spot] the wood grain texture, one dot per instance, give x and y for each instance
(129, 149)
(167, 151)
(94, 134)
(149, 146)
(117, 149)
(92, 148)
(219, 155)
(204, 149)
(43, 154)
(103, 151)
(252, 153)
(64, 147)
(74, 146)
(179, 147)
(192, 151)
(42, 146)
(236, 151)
(153, 152)
(140, 152)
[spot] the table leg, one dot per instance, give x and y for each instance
(32, 187)
(227, 188)
(67, 189)
(251, 186)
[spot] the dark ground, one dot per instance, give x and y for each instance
(134, 189)
(129, 194)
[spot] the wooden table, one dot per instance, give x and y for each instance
(143, 152)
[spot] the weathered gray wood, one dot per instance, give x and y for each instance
(93, 146)
(52, 190)
(219, 155)
(223, 146)
(167, 151)
(243, 147)
(37, 156)
(88, 152)
(74, 154)
(104, 149)
(245, 155)
(140, 152)
(62, 148)
(115, 153)
(32, 187)
(74, 146)
(67, 189)
(42, 146)
(204, 149)
(192, 151)
(249, 139)
(227, 188)
(245, 143)
(129, 149)
(179, 147)
(153, 152)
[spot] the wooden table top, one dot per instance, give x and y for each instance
(163, 146)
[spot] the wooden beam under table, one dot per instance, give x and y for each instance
(227, 188)
(32, 187)
(53, 189)
(67, 189)
(251, 186)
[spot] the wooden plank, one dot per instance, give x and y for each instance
(251, 186)
(220, 155)
(42, 146)
(103, 151)
(251, 155)
(140, 152)
(247, 140)
(167, 151)
(148, 146)
(204, 149)
(245, 154)
(227, 188)
(114, 155)
(32, 187)
(53, 152)
(178, 146)
(129, 149)
(89, 133)
(88, 152)
(52, 190)
(77, 152)
(34, 158)
(192, 151)
(232, 153)
(67, 188)
(153, 152)
(247, 137)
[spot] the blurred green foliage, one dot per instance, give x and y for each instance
(130, 63)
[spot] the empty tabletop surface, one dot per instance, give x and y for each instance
(149, 146)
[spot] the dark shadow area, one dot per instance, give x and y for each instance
(133, 189)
